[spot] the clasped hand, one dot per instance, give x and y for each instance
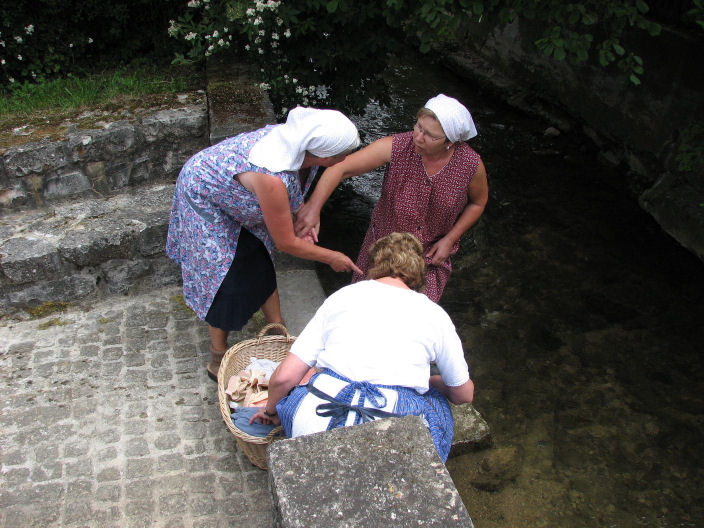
(307, 221)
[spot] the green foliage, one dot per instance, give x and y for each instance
(309, 52)
(44, 39)
(696, 14)
(690, 154)
(333, 52)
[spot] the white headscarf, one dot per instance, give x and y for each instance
(323, 133)
(455, 119)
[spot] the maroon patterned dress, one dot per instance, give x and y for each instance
(425, 206)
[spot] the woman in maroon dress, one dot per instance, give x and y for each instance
(435, 187)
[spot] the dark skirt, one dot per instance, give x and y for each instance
(249, 282)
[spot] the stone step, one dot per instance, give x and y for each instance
(86, 215)
(90, 248)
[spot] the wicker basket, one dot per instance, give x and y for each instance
(263, 346)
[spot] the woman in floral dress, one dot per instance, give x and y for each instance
(435, 187)
(233, 204)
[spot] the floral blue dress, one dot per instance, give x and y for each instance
(210, 207)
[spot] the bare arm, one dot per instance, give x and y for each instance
(477, 197)
(461, 394)
(273, 199)
(370, 157)
(286, 376)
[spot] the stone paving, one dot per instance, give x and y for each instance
(108, 419)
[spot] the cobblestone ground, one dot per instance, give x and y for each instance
(108, 419)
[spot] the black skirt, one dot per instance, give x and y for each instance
(249, 282)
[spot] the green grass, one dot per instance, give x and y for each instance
(76, 93)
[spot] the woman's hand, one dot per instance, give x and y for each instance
(439, 251)
(307, 220)
(311, 237)
(261, 417)
(341, 262)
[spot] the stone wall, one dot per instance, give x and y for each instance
(638, 128)
(106, 157)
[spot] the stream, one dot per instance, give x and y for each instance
(582, 322)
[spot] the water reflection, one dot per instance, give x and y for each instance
(582, 320)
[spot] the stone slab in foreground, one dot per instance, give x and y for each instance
(381, 473)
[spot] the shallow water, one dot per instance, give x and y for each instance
(582, 322)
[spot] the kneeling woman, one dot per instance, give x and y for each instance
(374, 341)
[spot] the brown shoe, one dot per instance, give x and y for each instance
(214, 364)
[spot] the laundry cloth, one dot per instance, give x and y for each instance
(240, 419)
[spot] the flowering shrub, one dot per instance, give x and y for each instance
(334, 51)
(40, 40)
(304, 52)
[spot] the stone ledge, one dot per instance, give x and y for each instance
(100, 161)
(381, 473)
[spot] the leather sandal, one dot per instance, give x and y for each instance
(214, 364)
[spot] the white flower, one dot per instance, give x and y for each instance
(257, 40)
(257, 21)
(2, 43)
(19, 57)
(173, 28)
(70, 44)
(34, 75)
(274, 45)
(247, 47)
(287, 33)
(211, 48)
(250, 12)
(2, 61)
(261, 51)
(11, 79)
(225, 29)
(294, 80)
(229, 37)
(275, 36)
(261, 33)
(279, 21)
(90, 40)
(194, 3)
(299, 90)
(221, 42)
(19, 40)
(216, 34)
(264, 86)
(190, 36)
(29, 29)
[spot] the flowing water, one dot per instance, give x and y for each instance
(582, 322)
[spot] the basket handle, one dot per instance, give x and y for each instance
(272, 326)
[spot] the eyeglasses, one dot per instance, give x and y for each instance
(420, 129)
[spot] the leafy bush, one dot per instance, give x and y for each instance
(43, 39)
(334, 51)
(311, 52)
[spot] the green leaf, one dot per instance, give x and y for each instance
(634, 79)
(638, 70)
(332, 6)
(642, 6)
(589, 19)
(619, 49)
(559, 54)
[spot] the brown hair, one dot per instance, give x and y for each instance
(398, 255)
(427, 112)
